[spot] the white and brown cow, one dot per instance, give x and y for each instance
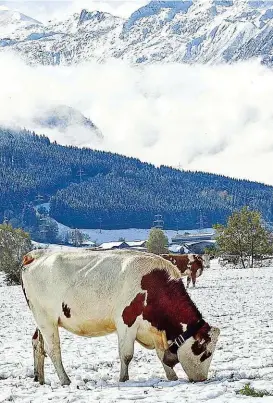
(138, 295)
(190, 265)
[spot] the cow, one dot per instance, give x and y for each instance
(189, 265)
(140, 296)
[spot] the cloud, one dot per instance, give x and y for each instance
(212, 118)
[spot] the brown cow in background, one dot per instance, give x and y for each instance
(192, 265)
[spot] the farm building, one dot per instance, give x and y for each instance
(114, 245)
(179, 249)
(189, 238)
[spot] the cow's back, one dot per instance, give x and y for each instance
(86, 291)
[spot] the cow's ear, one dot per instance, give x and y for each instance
(170, 359)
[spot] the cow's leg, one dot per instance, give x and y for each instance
(193, 278)
(188, 280)
(170, 373)
(51, 337)
(39, 357)
(160, 348)
(126, 340)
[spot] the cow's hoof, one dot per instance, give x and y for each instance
(66, 382)
(36, 378)
(173, 378)
(124, 379)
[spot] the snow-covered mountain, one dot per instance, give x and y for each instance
(62, 117)
(12, 20)
(189, 31)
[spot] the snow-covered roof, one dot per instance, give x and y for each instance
(90, 243)
(177, 248)
(139, 248)
(111, 245)
(136, 243)
(211, 241)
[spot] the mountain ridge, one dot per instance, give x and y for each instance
(83, 185)
(182, 31)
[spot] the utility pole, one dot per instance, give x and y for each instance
(201, 220)
(44, 227)
(176, 222)
(80, 173)
(100, 221)
(158, 221)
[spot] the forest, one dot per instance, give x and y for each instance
(89, 188)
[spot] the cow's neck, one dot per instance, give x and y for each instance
(168, 306)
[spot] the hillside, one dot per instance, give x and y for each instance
(183, 31)
(86, 187)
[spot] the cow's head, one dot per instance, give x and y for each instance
(195, 354)
(197, 263)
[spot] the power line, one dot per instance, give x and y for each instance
(158, 221)
(100, 221)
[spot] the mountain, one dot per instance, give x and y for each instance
(11, 20)
(63, 117)
(85, 187)
(188, 31)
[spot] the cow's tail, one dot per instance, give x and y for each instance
(27, 260)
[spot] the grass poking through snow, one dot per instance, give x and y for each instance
(248, 391)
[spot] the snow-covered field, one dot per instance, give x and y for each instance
(240, 302)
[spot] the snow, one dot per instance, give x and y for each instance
(238, 301)
(11, 20)
(130, 234)
(154, 7)
(209, 31)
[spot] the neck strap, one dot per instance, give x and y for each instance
(184, 336)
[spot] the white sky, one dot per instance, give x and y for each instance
(48, 9)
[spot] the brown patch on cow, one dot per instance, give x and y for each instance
(66, 310)
(27, 259)
(202, 340)
(203, 334)
(132, 311)
(167, 304)
(36, 335)
(198, 348)
(205, 356)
